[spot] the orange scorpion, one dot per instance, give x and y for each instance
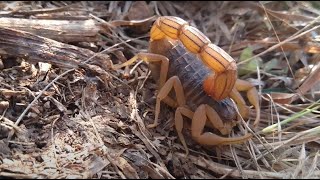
(204, 78)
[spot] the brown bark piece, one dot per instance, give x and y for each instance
(59, 30)
(39, 49)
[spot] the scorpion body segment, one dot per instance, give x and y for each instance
(223, 78)
(192, 73)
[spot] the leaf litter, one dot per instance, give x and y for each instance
(90, 121)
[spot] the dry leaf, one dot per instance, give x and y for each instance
(312, 79)
(126, 168)
(4, 149)
(95, 164)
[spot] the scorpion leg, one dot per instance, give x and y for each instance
(252, 95)
(199, 119)
(178, 121)
(175, 83)
(149, 57)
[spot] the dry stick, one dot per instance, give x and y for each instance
(163, 170)
(144, 81)
(289, 140)
(223, 169)
(18, 175)
(313, 166)
(249, 161)
(132, 22)
(39, 49)
(109, 25)
(53, 142)
(255, 148)
(278, 45)
(278, 119)
(10, 123)
(236, 160)
(310, 24)
(42, 11)
(35, 99)
(301, 162)
(59, 30)
(116, 23)
(136, 117)
(156, 8)
(307, 110)
(246, 125)
(148, 146)
(277, 38)
(143, 128)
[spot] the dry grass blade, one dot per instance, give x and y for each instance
(313, 167)
(305, 111)
(280, 15)
(116, 23)
(222, 169)
(280, 44)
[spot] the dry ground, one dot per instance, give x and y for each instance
(74, 117)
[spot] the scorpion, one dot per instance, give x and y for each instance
(203, 77)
